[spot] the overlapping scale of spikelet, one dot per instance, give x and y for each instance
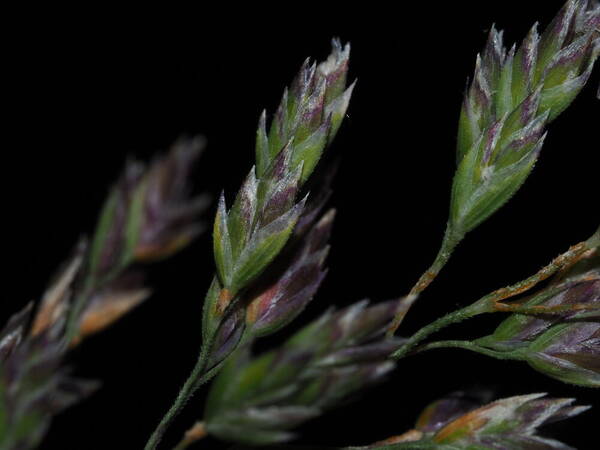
(512, 97)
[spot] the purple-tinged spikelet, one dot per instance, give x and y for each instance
(564, 345)
(34, 385)
(281, 300)
(268, 221)
(259, 400)
(148, 215)
(455, 422)
(513, 95)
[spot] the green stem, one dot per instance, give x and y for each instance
(476, 308)
(451, 240)
(197, 378)
(467, 345)
(194, 381)
(492, 302)
(449, 243)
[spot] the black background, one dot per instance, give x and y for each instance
(87, 89)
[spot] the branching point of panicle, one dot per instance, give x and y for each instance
(563, 345)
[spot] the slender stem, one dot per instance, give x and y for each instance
(467, 345)
(543, 309)
(476, 308)
(186, 392)
(451, 240)
(194, 434)
(200, 375)
(567, 259)
(492, 302)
